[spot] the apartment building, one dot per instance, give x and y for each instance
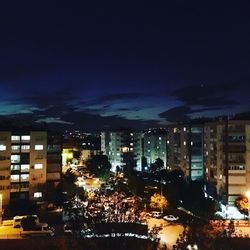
(185, 149)
(155, 146)
(227, 157)
(121, 145)
(27, 161)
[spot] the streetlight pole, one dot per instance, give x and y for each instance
(1, 208)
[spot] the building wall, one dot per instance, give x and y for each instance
(117, 144)
(185, 149)
(23, 165)
(5, 153)
(228, 157)
(155, 146)
(54, 158)
(37, 157)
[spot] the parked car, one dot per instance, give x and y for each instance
(17, 220)
(156, 214)
(67, 228)
(41, 229)
(171, 217)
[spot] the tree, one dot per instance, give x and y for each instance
(242, 204)
(99, 165)
(158, 201)
(67, 188)
(157, 165)
(136, 184)
(129, 163)
(144, 163)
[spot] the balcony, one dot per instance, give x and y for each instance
(236, 149)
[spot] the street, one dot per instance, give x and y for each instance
(170, 232)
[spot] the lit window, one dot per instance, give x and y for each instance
(131, 134)
(131, 143)
(184, 129)
(175, 130)
(38, 166)
(38, 147)
(25, 147)
(117, 154)
(14, 177)
(131, 149)
(125, 149)
(15, 147)
(25, 167)
(191, 143)
(159, 138)
(184, 143)
(2, 147)
(167, 141)
(14, 167)
(148, 142)
(24, 177)
(15, 158)
(15, 138)
(38, 195)
(25, 137)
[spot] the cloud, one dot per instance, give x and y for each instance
(207, 95)
(202, 99)
(183, 113)
(53, 120)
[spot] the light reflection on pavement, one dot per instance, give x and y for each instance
(170, 232)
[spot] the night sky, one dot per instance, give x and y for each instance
(120, 63)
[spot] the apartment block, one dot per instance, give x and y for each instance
(27, 162)
(155, 146)
(118, 145)
(227, 157)
(185, 149)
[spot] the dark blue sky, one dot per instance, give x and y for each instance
(120, 64)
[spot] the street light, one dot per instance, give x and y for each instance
(248, 200)
(1, 207)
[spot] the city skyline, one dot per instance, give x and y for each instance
(111, 66)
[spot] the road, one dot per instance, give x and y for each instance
(8, 232)
(170, 232)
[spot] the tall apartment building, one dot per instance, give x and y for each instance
(227, 157)
(185, 149)
(118, 145)
(155, 146)
(24, 169)
(54, 158)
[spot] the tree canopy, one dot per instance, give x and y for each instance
(157, 165)
(99, 165)
(158, 201)
(242, 204)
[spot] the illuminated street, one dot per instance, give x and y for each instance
(8, 232)
(170, 231)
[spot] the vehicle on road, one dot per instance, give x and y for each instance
(41, 229)
(17, 220)
(156, 214)
(171, 217)
(67, 228)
